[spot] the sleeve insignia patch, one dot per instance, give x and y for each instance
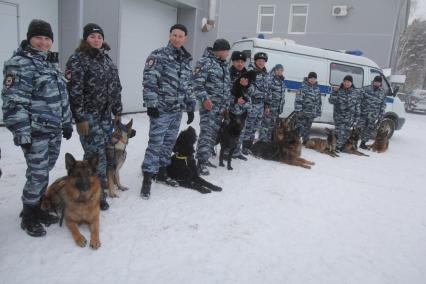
(8, 80)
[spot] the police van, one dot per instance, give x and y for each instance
(331, 66)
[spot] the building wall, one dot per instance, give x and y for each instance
(369, 26)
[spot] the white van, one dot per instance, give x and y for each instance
(330, 66)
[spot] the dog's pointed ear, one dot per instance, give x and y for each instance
(129, 125)
(94, 162)
(69, 161)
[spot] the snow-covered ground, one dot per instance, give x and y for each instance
(348, 220)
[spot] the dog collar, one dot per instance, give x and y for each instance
(181, 157)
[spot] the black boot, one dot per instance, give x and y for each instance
(45, 217)
(104, 204)
(146, 185)
(30, 223)
(163, 177)
(363, 146)
(246, 146)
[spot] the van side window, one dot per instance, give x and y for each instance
(247, 53)
(339, 71)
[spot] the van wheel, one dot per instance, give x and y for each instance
(389, 125)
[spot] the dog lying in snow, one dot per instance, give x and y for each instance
(183, 167)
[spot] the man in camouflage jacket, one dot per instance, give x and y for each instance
(166, 94)
(307, 105)
(373, 107)
(211, 87)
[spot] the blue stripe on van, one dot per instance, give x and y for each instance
(295, 85)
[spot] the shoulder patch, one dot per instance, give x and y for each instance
(150, 61)
(197, 70)
(9, 80)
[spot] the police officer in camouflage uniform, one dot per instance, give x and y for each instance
(346, 113)
(276, 103)
(307, 105)
(373, 107)
(166, 94)
(211, 84)
(259, 92)
(36, 111)
(95, 91)
(237, 71)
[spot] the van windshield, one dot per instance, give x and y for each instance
(339, 71)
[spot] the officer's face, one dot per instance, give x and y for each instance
(222, 54)
(238, 64)
(312, 80)
(95, 40)
(260, 63)
(347, 84)
(178, 38)
(377, 84)
(279, 72)
(42, 43)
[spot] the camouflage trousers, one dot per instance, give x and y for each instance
(368, 127)
(268, 125)
(163, 132)
(253, 122)
(210, 122)
(40, 159)
(343, 132)
(95, 142)
(304, 125)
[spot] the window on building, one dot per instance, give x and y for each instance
(265, 19)
(339, 71)
(298, 18)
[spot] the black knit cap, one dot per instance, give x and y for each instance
(221, 44)
(378, 79)
(92, 28)
(348, 78)
(312, 75)
(238, 55)
(179, 27)
(39, 28)
(261, 55)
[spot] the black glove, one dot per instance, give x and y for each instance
(153, 112)
(26, 146)
(67, 133)
(190, 117)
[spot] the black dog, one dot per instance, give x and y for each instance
(183, 168)
(229, 134)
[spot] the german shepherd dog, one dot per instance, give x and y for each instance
(116, 155)
(325, 146)
(351, 146)
(77, 195)
(381, 142)
(183, 167)
(229, 134)
(287, 145)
